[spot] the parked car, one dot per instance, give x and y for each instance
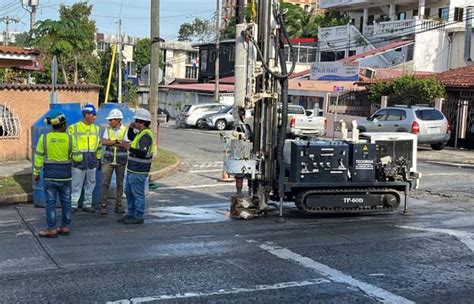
(300, 124)
(221, 120)
(429, 124)
(192, 115)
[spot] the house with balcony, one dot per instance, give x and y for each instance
(423, 35)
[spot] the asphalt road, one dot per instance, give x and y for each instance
(190, 251)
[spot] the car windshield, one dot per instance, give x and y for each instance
(429, 114)
(295, 110)
(225, 110)
(186, 108)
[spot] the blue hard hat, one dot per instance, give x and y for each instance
(55, 118)
(89, 109)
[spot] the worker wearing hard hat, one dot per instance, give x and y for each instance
(115, 159)
(139, 163)
(87, 135)
(54, 153)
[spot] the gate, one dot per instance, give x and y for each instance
(459, 110)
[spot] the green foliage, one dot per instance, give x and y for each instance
(199, 30)
(105, 58)
(301, 24)
(407, 89)
(23, 40)
(132, 93)
(72, 40)
(142, 53)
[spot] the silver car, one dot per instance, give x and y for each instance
(192, 115)
(429, 124)
(221, 120)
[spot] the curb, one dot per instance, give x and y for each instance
(153, 176)
(457, 165)
(13, 199)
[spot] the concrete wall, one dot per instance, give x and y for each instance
(457, 50)
(431, 51)
(29, 105)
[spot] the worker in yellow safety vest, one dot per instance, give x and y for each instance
(54, 153)
(115, 159)
(140, 157)
(87, 135)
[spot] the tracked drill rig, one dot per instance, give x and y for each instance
(320, 176)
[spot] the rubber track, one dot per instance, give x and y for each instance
(339, 210)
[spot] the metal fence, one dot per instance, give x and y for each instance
(459, 110)
(10, 126)
(355, 103)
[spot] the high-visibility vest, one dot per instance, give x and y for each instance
(54, 152)
(116, 155)
(141, 165)
(88, 142)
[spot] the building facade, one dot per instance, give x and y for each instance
(436, 28)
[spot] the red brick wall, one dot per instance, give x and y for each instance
(29, 104)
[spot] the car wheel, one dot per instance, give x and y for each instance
(361, 129)
(401, 130)
(438, 146)
(221, 125)
(200, 124)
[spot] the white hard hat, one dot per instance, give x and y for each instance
(115, 114)
(142, 114)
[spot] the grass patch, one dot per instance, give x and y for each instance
(23, 183)
(164, 159)
(16, 184)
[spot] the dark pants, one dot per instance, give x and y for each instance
(107, 171)
(52, 189)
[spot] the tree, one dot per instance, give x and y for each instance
(142, 53)
(105, 59)
(72, 40)
(407, 89)
(199, 30)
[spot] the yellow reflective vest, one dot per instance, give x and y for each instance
(88, 142)
(137, 164)
(116, 155)
(54, 152)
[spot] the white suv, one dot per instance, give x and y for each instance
(429, 124)
(192, 115)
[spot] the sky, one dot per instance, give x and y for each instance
(135, 14)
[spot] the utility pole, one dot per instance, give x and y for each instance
(6, 35)
(218, 37)
(154, 64)
(119, 65)
(32, 5)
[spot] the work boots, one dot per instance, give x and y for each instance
(119, 208)
(103, 209)
(48, 233)
(64, 230)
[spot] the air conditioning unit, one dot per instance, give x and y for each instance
(369, 73)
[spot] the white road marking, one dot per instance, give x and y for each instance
(196, 186)
(466, 237)
(441, 174)
(205, 171)
(220, 292)
(332, 274)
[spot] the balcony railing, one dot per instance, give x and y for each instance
(335, 3)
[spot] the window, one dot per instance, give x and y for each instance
(443, 13)
(191, 57)
(295, 110)
(429, 114)
(203, 60)
(352, 53)
(427, 12)
(402, 16)
(191, 72)
(332, 56)
(370, 20)
(458, 14)
(395, 115)
(9, 124)
(415, 12)
(380, 115)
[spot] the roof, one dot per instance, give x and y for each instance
(380, 50)
(388, 74)
(199, 87)
(225, 80)
(457, 78)
(40, 87)
(13, 50)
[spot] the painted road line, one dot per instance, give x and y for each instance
(196, 186)
(466, 237)
(205, 171)
(332, 274)
(221, 292)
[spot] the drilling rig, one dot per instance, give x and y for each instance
(369, 173)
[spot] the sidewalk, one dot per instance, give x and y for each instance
(447, 156)
(11, 168)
